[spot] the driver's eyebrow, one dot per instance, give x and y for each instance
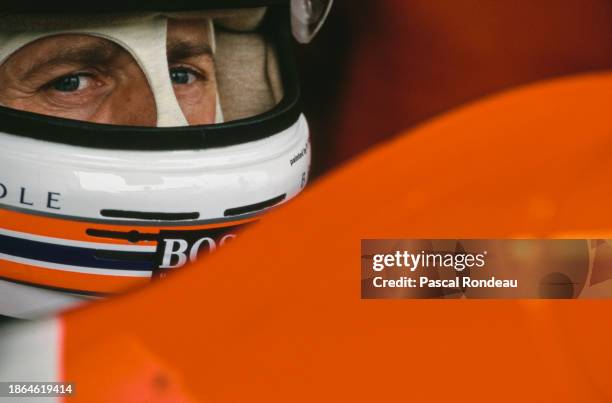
(179, 49)
(94, 51)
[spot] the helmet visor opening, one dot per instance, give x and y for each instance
(197, 74)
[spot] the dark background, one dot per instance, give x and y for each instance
(379, 67)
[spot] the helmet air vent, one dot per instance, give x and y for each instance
(251, 208)
(144, 215)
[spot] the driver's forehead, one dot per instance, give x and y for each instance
(187, 29)
(70, 46)
(185, 38)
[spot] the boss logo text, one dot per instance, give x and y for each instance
(178, 252)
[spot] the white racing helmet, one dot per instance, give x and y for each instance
(92, 209)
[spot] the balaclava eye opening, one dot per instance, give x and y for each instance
(144, 38)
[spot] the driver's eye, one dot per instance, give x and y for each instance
(182, 76)
(70, 83)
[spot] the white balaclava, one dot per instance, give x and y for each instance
(144, 38)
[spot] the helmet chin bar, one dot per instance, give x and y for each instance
(97, 222)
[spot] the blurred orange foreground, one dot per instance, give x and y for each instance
(277, 317)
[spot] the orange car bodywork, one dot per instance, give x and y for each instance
(277, 316)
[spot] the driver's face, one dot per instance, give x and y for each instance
(88, 78)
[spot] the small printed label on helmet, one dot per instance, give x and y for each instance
(303, 152)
